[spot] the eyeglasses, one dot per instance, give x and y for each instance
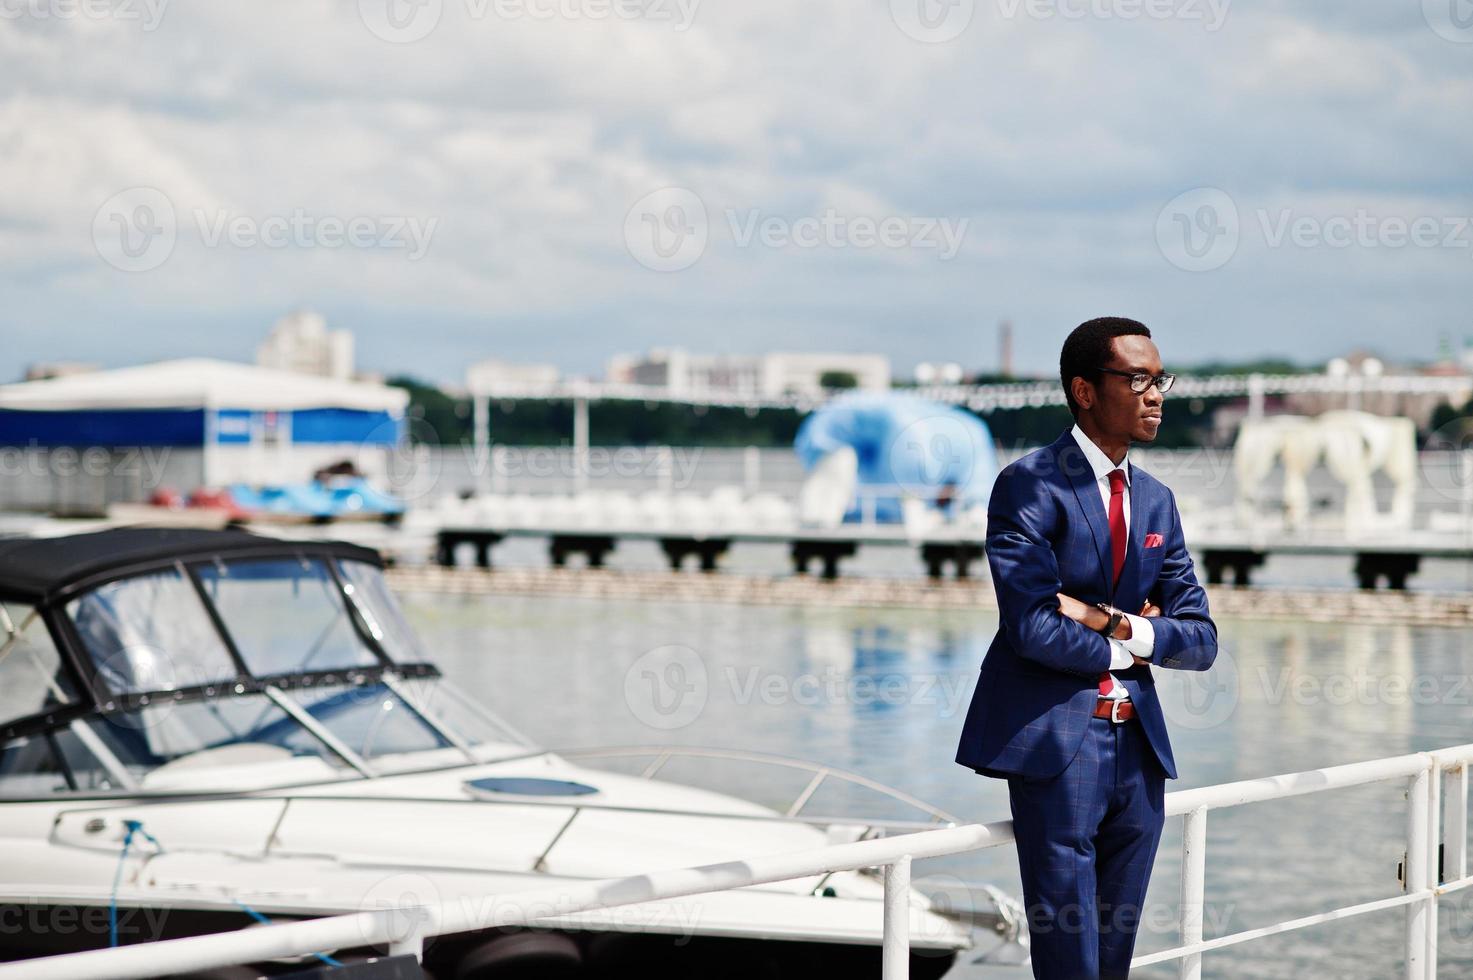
(1140, 382)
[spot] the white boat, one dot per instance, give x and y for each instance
(203, 729)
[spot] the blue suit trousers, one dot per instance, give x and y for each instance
(1087, 838)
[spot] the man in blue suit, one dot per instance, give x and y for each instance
(1065, 707)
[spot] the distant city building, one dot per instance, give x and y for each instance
(301, 342)
(496, 374)
(766, 375)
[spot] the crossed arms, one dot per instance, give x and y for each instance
(1048, 627)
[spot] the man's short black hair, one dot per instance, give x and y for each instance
(1087, 348)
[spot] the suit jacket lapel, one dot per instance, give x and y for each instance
(1079, 474)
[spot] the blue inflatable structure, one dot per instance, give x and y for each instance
(905, 446)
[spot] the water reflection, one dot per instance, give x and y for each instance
(883, 692)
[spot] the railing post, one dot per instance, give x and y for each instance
(895, 962)
(1415, 874)
(1456, 833)
(412, 944)
(1193, 888)
(1434, 839)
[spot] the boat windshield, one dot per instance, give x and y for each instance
(286, 615)
(301, 661)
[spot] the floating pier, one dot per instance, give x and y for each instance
(956, 547)
(1375, 561)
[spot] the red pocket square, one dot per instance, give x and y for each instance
(1153, 540)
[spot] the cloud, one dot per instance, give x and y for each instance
(526, 140)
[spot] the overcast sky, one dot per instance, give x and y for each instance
(559, 180)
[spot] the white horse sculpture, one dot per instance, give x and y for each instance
(1354, 445)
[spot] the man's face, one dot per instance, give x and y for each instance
(1120, 412)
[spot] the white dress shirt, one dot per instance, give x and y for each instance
(1142, 642)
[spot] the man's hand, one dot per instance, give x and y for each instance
(1081, 612)
(1148, 610)
(1094, 618)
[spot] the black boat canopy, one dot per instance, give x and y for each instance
(35, 569)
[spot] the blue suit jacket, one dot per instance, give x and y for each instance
(1047, 532)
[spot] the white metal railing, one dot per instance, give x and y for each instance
(402, 933)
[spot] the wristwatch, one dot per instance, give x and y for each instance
(1115, 615)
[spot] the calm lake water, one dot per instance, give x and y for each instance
(883, 693)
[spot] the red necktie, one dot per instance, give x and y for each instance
(1117, 548)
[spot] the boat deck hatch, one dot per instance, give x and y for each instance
(527, 786)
